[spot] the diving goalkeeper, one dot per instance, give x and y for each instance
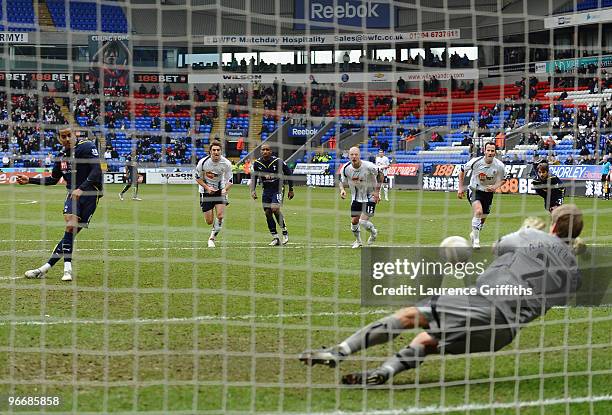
(529, 258)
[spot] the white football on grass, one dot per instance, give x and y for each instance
(455, 249)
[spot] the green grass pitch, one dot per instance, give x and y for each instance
(156, 322)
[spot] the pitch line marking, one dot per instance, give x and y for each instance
(472, 407)
(21, 202)
(53, 322)
(11, 278)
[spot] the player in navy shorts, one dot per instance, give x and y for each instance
(79, 165)
(273, 173)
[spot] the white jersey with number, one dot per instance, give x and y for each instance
(483, 174)
(383, 164)
(361, 181)
(214, 174)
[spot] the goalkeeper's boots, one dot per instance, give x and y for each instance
(67, 276)
(370, 377)
(324, 356)
(211, 243)
(35, 273)
(275, 242)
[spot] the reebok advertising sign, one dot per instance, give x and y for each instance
(357, 13)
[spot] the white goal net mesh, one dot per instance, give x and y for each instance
(156, 320)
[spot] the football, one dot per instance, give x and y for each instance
(455, 249)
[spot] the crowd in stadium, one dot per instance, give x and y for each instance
(36, 104)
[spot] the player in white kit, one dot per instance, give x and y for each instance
(214, 175)
(487, 175)
(364, 180)
(382, 162)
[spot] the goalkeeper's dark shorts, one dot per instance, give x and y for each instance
(465, 324)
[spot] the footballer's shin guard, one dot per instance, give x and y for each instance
(280, 219)
(216, 227)
(356, 231)
(57, 254)
(271, 222)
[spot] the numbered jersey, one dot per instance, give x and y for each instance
(361, 180)
(216, 174)
(383, 164)
(484, 174)
(532, 259)
(79, 167)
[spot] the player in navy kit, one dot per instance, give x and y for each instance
(273, 173)
(548, 187)
(79, 165)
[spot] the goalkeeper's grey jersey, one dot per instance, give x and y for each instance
(531, 259)
(483, 174)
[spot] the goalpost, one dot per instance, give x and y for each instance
(156, 322)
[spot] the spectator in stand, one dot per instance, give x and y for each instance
(584, 151)
(594, 86)
(384, 145)
(436, 138)
(346, 59)
(569, 161)
(332, 143)
(401, 85)
(608, 146)
(500, 140)
(590, 160)
(240, 144)
(108, 155)
(550, 143)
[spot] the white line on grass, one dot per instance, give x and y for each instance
(183, 241)
(177, 248)
(51, 321)
(472, 407)
(11, 278)
(23, 202)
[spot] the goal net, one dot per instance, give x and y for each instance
(188, 303)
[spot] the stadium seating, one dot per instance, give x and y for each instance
(20, 12)
(413, 112)
(583, 5)
(83, 16)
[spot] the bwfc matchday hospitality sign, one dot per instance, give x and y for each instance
(370, 38)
